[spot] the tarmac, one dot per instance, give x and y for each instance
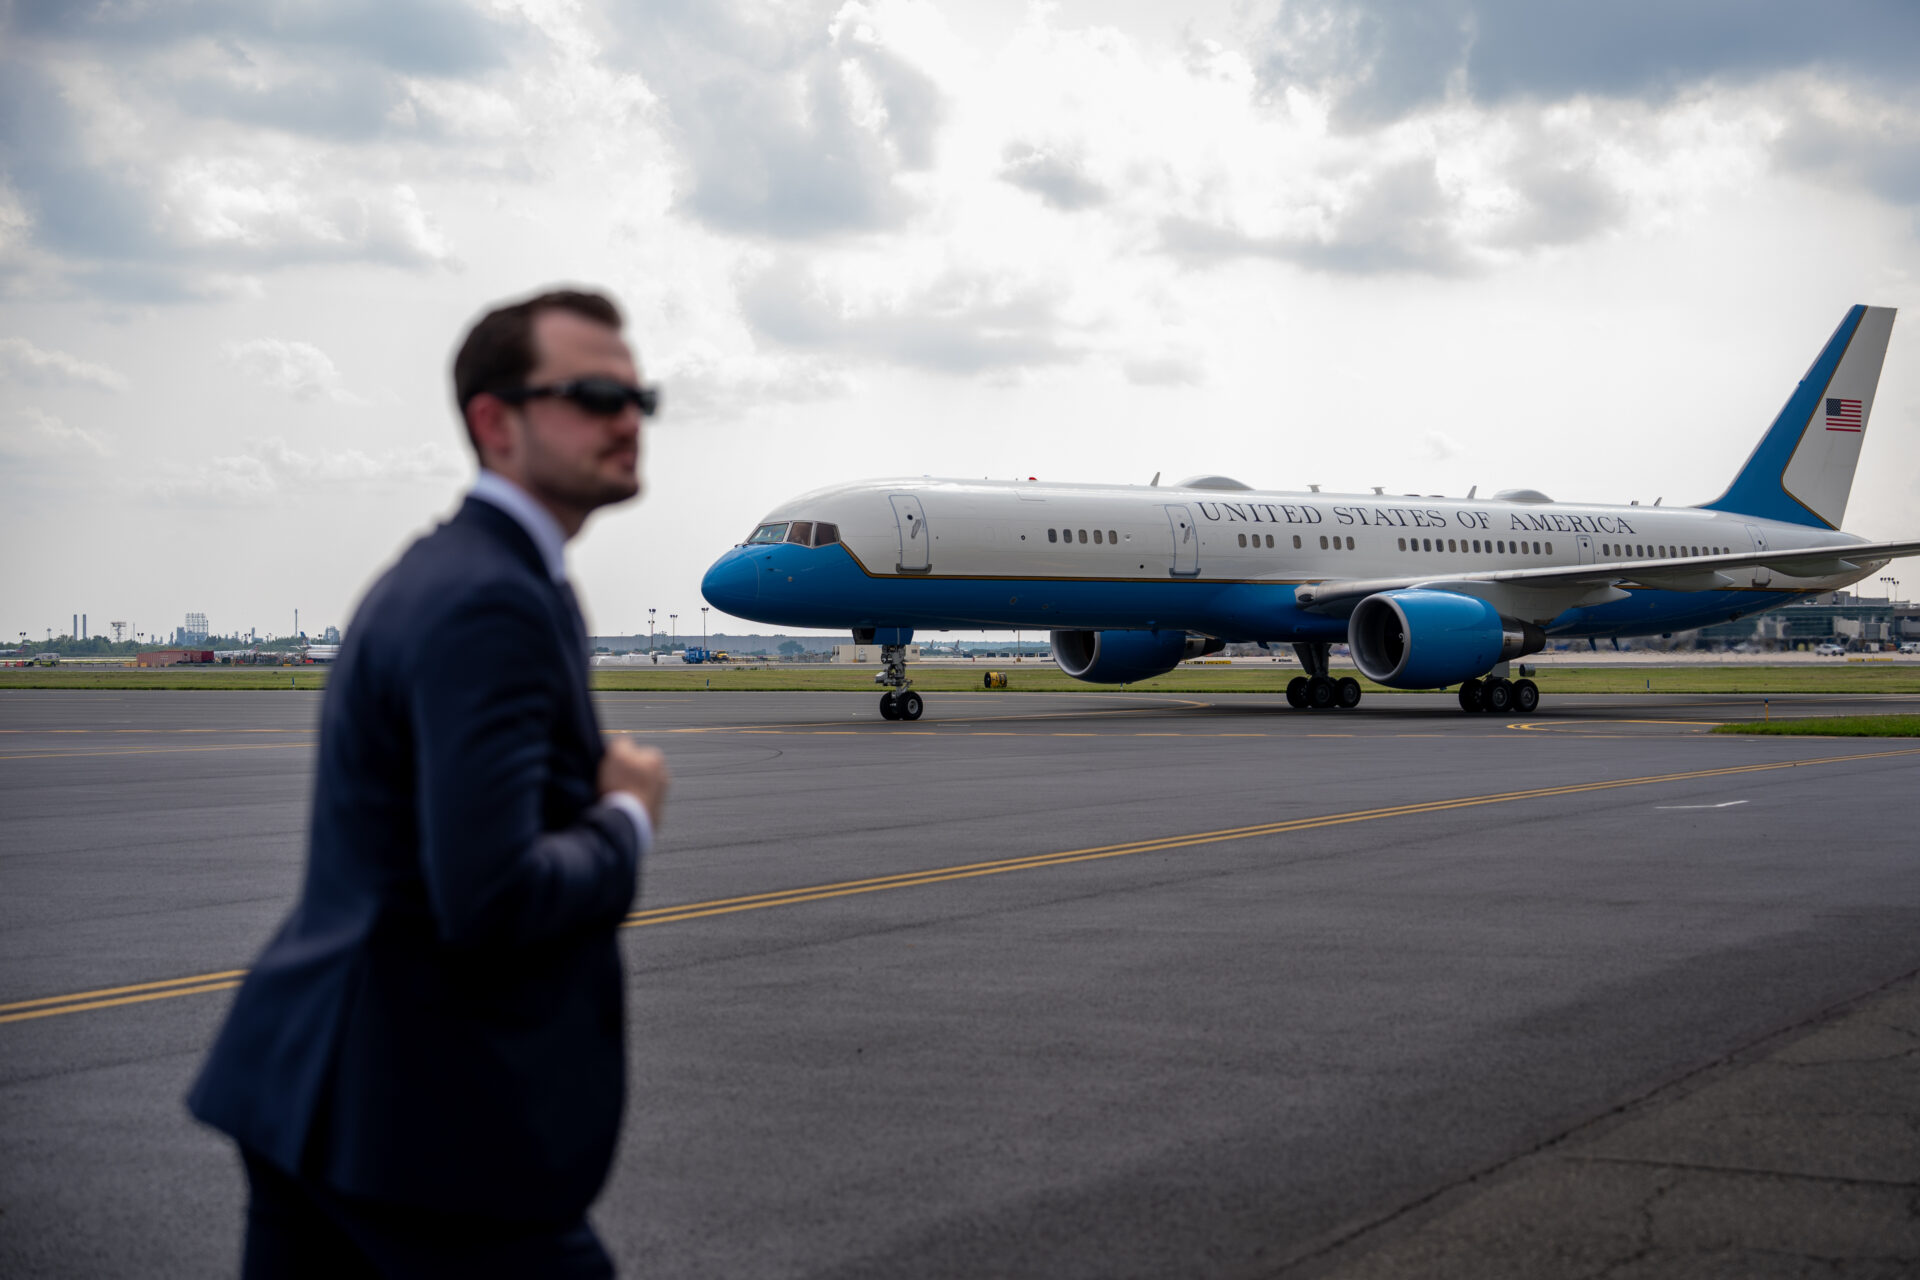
(1078, 985)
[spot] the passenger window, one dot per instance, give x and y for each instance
(1269, 541)
(826, 535)
(1053, 535)
(1536, 548)
(1097, 539)
(1323, 542)
(1403, 544)
(1426, 544)
(1113, 537)
(769, 533)
(1243, 539)
(1083, 535)
(1296, 542)
(1549, 548)
(801, 531)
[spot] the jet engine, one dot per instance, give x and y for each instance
(1122, 657)
(1416, 639)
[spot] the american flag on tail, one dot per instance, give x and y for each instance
(1843, 415)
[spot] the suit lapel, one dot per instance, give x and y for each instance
(560, 595)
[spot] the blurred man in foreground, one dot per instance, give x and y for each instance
(425, 1069)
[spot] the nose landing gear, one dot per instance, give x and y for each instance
(901, 706)
(899, 702)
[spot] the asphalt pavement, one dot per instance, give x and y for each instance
(1076, 985)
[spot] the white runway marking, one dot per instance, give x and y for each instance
(1724, 804)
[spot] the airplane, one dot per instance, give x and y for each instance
(1427, 592)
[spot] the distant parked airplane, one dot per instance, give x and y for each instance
(1428, 592)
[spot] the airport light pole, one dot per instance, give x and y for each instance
(673, 629)
(649, 633)
(703, 626)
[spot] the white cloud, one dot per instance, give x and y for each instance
(21, 359)
(30, 431)
(269, 469)
(705, 383)
(300, 369)
(1173, 370)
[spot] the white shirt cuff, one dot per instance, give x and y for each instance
(628, 803)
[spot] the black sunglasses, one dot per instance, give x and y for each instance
(602, 397)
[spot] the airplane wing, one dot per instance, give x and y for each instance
(1540, 594)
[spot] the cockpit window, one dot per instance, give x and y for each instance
(799, 533)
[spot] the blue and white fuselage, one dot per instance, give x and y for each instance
(1227, 563)
(1429, 591)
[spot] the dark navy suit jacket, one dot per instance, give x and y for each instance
(440, 1022)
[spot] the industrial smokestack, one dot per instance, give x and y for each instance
(83, 626)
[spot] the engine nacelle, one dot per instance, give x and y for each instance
(1122, 657)
(1418, 639)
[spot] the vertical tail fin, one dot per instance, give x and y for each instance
(1802, 469)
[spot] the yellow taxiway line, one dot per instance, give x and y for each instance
(196, 984)
(108, 997)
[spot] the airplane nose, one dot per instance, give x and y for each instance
(732, 583)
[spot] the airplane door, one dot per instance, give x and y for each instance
(1762, 575)
(1586, 548)
(1186, 543)
(916, 551)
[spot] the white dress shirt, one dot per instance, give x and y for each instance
(551, 541)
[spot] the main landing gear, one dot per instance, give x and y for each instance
(1498, 695)
(1318, 690)
(899, 702)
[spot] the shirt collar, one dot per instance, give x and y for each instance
(548, 538)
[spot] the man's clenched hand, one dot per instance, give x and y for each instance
(642, 771)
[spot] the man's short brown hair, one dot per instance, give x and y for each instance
(498, 352)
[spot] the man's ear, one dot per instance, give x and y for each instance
(489, 422)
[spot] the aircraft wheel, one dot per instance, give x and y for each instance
(1349, 691)
(1470, 695)
(1496, 697)
(889, 709)
(909, 705)
(1526, 696)
(1297, 692)
(1321, 692)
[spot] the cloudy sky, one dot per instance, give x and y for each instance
(1424, 244)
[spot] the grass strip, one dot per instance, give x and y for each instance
(1024, 678)
(1831, 727)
